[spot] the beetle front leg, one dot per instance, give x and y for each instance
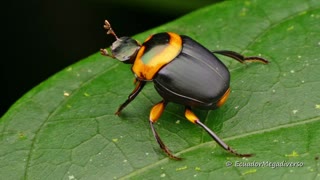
(155, 114)
(240, 57)
(135, 92)
(194, 119)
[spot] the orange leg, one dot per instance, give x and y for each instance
(194, 119)
(155, 114)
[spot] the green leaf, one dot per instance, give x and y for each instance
(65, 128)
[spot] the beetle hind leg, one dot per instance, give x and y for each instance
(155, 114)
(240, 57)
(194, 119)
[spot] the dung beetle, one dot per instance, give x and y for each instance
(183, 72)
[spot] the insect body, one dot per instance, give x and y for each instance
(182, 70)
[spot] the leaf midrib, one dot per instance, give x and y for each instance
(140, 171)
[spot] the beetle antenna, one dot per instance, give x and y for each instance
(107, 26)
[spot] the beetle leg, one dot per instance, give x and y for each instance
(134, 93)
(194, 119)
(240, 57)
(155, 114)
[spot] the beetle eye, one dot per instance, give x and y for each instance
(125, 49)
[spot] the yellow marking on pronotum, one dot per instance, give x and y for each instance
(167, 54)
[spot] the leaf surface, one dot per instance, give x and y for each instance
(65, 128)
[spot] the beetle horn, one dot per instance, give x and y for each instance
(107, 26)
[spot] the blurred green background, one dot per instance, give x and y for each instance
(42, 37)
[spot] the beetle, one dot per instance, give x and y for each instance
(183, 72)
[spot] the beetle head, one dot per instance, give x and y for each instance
(124, 49)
